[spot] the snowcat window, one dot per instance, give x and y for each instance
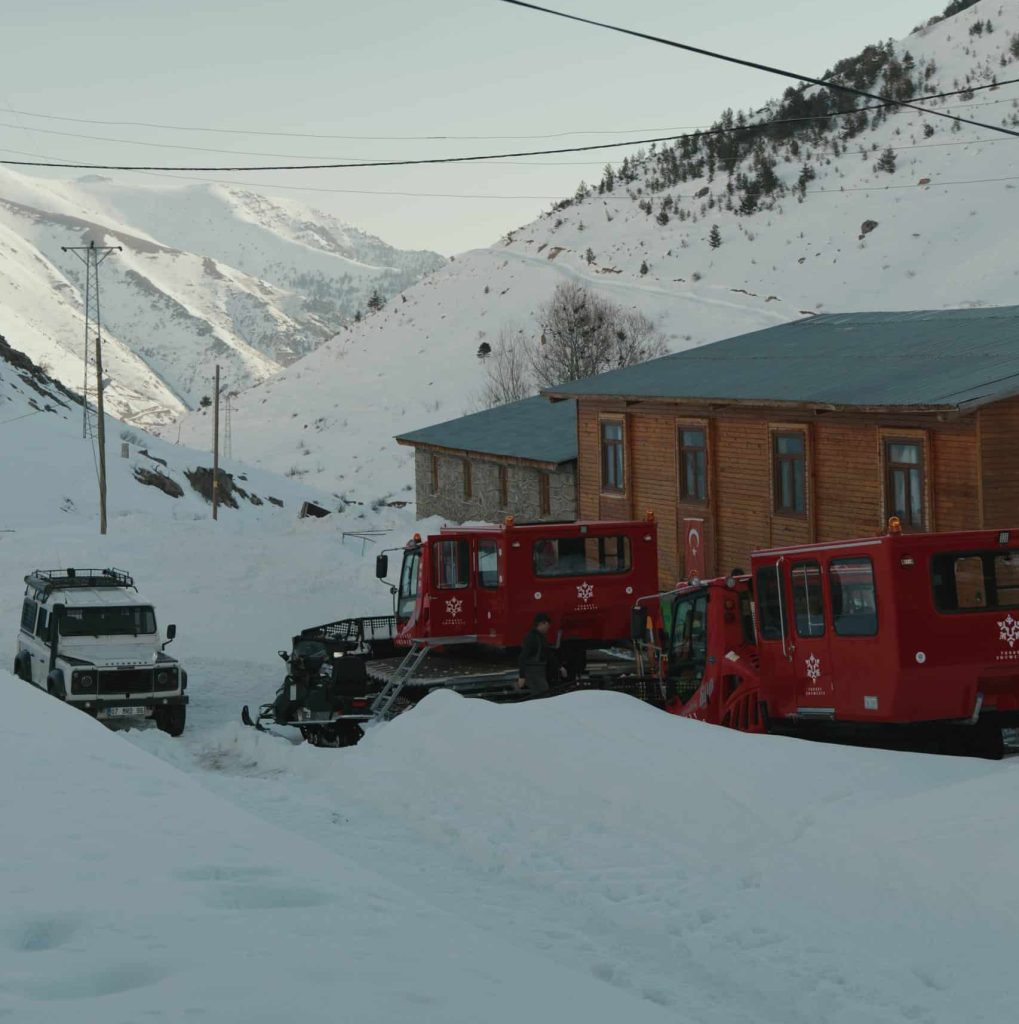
(452, 563)
(125, 621)
(28, 616)
(808, 603)
(853, 599)
(690, 631)
(771, 604)
(40, 627)
(581, 556)
(975, 581)
(488, 564)
(410, 573)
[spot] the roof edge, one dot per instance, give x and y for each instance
(464, 453)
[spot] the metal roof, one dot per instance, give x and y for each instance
(532, 429)
(939, 359)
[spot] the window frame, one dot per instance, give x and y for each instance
(463, 563)
(987, 609)
(503, 471)
(843, 559)
(544, 493)
(889, 468)
(687, 494)
(616, 445)
(482, 576)
(778, 460)
(814, 565)
(584, 539)
(771, 573)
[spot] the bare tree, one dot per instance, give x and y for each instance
(583, 334)
(507, 370)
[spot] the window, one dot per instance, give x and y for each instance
(435, 474)
(468, 480)
(410, 577)
(503, 487)
(452, 563)
(40, 627)
(904, 482)
(853, 601)
(975, 581)
(790, 473)
(693, 461)
(581, 556)
(28, 616)
(771, 603)
(612, 465)
(544, 497)
(126, 621)
(689, 631)
(488, 564)
(808, 604)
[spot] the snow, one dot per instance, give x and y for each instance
(207, 274)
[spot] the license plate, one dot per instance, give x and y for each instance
(130, 712)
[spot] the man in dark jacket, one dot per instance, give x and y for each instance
(536, 658)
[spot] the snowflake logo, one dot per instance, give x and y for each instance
(814, 668)
(585, 591)
(454, 606)
(1008, 630)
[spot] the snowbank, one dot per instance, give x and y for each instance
(132, 893)
(732, 878)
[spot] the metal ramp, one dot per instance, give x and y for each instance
(382, 705)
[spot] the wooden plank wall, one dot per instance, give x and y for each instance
(845, 469)
(999, 463)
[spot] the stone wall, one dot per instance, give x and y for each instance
(523, 489)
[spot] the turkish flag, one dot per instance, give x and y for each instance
(693, 544)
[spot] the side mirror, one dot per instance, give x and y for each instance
(171, 632)
(381, 566)
(638, 619)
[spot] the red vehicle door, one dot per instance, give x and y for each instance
(809, 637)
(453, 590)
(490, 589)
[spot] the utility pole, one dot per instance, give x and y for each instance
(92, 255)
(215, 449)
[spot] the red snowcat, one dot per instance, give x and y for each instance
(903, 640)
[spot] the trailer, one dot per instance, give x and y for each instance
(906, 640)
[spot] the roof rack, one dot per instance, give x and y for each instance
(49, 580)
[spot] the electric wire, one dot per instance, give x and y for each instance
(829, 84)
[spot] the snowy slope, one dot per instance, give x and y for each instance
(931, 242)
(49, 470)
(208, 274)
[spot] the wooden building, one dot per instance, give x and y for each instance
(815, 430)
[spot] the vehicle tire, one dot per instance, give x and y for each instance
(20, 671)
(171, 720)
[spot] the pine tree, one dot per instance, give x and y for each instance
(589, 256)
(644, 268)
(715, 237)
(886, 162)
(375, 301)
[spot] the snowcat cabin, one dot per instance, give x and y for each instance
(488, 583)
(706, 646)
(905, 628)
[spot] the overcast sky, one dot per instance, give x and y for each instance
(401, 68)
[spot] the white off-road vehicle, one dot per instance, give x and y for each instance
(89, 638)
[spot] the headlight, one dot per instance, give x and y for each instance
(165, 679)
(83, 682)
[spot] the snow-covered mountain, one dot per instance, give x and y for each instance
(208, 274)
(815, 216)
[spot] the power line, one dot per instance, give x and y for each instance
(368, 160)
(443, 137)
(829, 84)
